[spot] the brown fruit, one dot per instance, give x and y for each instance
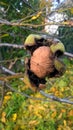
(41, 62)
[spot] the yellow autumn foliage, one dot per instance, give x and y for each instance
(3, 118)
(33, 122)
(14, 116)
(36, 16)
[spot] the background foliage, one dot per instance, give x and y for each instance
(17, 111)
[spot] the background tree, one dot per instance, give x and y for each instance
(21, 109)
(21, 12)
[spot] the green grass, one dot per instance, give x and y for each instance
(21, 113)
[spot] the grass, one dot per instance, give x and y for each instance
(21, 113)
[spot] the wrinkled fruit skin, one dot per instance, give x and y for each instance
(41, 62)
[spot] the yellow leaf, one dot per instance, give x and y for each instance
(59, 128)
(65, 124)
(54, 114)
(62, 89)
(16, 127)
(3, 114)
(63, 110)
(14, 117)
(37, 114)
(33, 122)
(4, 35)
(70, 113)
(59, 117)
(53, 89)
(3, 119)
(38, 95)
(57, 93)
(36, 16)
(39, 107)
(52, 107)
(7, 97)
(31, 107)
(71, 10)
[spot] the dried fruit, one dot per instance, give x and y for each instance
(41, 62)
(45, 60)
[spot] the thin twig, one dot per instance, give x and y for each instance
(3, 21)
(29, 5)
(23, 94)
(13, 59)
(14, 75)
(7, 70)
(22, 47)
(2, 92)
(12, 45)
(54, 98)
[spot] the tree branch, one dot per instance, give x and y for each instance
(3, 21)
(54, 98)
(5, 70)
(13, 74)
(68, 54)
(23, 94)
(2, 93)
(12, 45)
(22, 47)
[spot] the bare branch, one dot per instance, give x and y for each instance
(15, 75)
(1, 93)
(12, 45)
(22, 47)
(5, 70)
(23, 94)
(3, 82)
(56, 98)
(68, 54)
(3, 21)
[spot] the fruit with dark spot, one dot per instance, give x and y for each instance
(41, 62)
